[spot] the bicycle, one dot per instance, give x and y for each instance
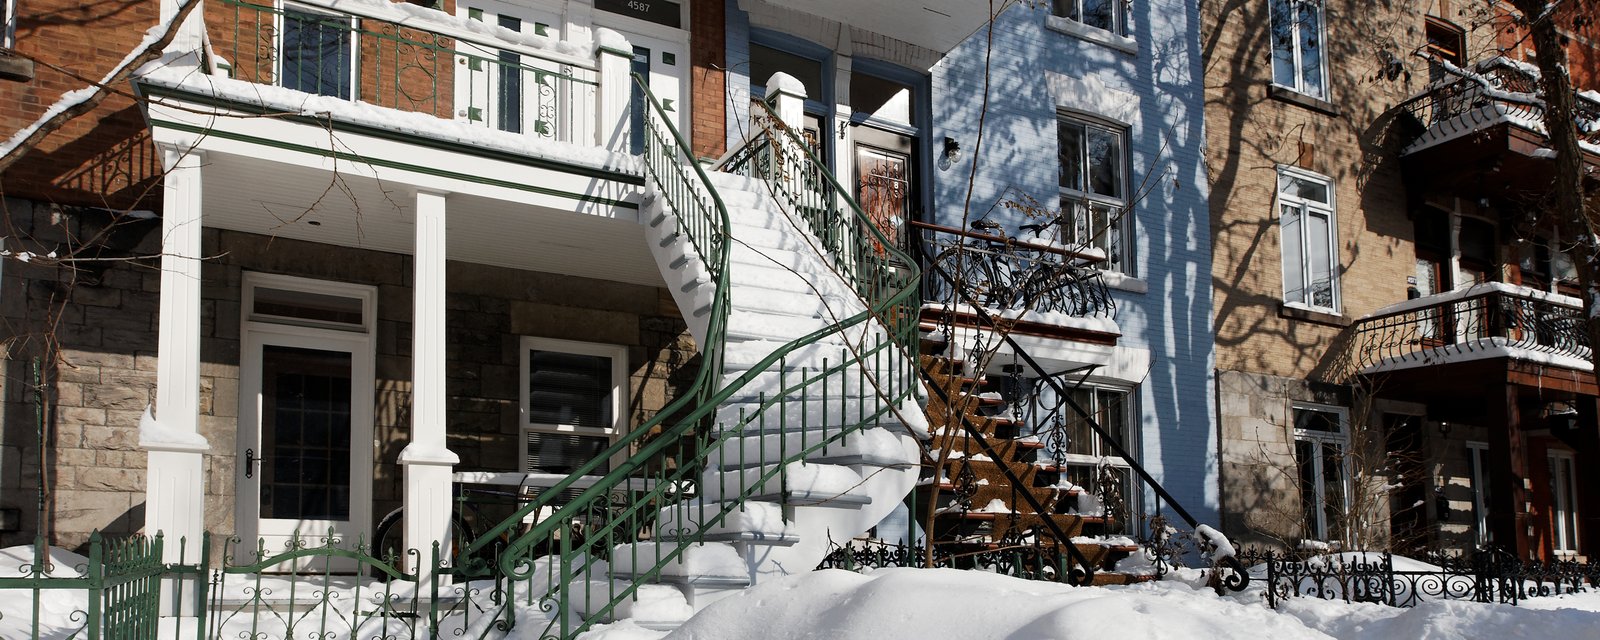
(388, 538)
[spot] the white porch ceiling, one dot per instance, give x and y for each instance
(938, 25)
(304, 203)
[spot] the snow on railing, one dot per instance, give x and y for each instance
(1496, 91)
(1491, 320)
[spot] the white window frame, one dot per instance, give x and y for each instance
(284, 7)
(619, 393)
(1118, 234)
(8, 36)
(1299, 64)
(1320, 528)
(1477, 457)
(1119, 15)
(1563, 469)
(1305, 209)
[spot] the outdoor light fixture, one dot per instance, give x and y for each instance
(1560, 417)
(952, 153)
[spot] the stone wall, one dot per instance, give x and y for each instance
(105, 375)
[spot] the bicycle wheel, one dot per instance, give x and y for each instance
(388, 542)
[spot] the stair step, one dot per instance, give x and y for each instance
(749, 419)
(711, 560)
(741, 521)
(800, 485)
(970, 448)
(755, 325)
(866, 447)
(656, 605)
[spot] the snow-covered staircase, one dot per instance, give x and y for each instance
(801, 430)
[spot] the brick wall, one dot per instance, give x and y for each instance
(708, 48)
(106, 373)
(1172, 252)
(104, 158)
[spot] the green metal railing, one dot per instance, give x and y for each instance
(573, 560)
(438, 68)
(119, 581)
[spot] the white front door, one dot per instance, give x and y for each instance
(304, 467)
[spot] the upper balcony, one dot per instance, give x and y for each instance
(380, 66)
(1049, 298)
(1480, 132)
(1523, 331)
(321, 120)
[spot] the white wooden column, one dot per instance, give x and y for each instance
(614, 124)
(175, 471)
(191, 33)
(429, 464)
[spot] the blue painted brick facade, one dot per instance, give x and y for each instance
(1171, 234)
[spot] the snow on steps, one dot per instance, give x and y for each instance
(782, 287)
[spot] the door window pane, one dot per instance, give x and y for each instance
(305, 434)
(884, 189)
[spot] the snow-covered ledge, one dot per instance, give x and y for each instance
(1474, 291)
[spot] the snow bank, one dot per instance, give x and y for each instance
(914, 604)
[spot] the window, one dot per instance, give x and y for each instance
(1094, 188)
(572, 402)
(1298, 62)
(1477, 457)
(317, 53)
(1310, 242)
(1446, 43)
(1319, 447)
(8, 30)
(1563, 503)
(1109, 15)
(1086, 457)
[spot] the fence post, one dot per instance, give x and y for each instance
(614, 118)
(96, 578)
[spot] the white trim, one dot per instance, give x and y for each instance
(255, 336)
(1306, 208)
(366, 294)
(619, 391)
(1070, 27)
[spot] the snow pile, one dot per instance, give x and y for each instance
(894, 604)
(155, 434)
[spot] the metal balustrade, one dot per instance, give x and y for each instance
(1497, 91)
(1489, 320)
(400, 57)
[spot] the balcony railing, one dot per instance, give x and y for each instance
(1015, 275)
(1484, 321)
(1498, 91)
(403, 57)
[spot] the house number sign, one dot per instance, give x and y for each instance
(660, 12)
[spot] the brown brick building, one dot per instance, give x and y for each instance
(1364, 179)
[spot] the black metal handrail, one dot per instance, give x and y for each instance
(1484, 318)
(1488, 575)
(1497, 90)
(1157, 539)
(1004, 274)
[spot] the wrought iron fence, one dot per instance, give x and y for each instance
(400, 58)
(1496, 91)
(1481, 576)
(1485, 318)
(1006, 273)
(113, 594)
